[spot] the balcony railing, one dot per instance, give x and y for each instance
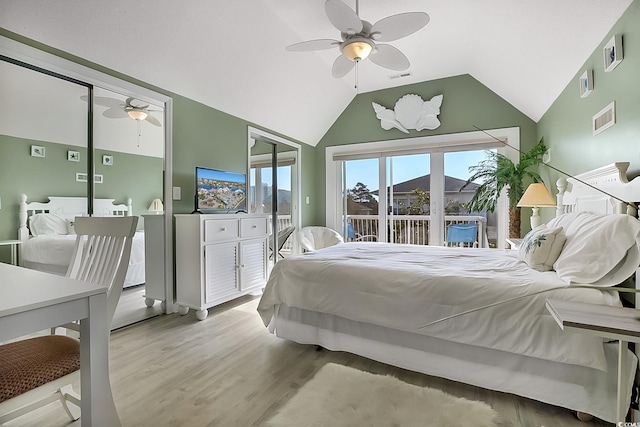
(414, 229)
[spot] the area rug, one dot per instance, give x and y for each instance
(341, 396)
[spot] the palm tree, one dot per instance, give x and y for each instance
(497, 172)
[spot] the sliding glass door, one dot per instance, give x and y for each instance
(361, 214)
(423, 200)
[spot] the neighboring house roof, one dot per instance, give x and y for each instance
(451, 185)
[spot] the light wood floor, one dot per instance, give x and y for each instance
(229, 371)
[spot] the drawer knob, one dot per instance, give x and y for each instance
(223, 229)
(254, 226)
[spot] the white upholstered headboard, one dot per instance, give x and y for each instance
(68, 207)
(574, 195)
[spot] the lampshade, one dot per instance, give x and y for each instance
(536, 195)
(137, 114)
(358, 49)
(156, 206)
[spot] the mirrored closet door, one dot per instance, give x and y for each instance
(77, 157)
(274, 189)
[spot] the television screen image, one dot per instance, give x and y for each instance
(220, 191)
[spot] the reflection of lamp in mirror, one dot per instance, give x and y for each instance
(137, 114)
(156, 206)
(535, 197)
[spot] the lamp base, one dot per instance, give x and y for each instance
(535, 218)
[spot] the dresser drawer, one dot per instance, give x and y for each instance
(216, 230)
(253, 227)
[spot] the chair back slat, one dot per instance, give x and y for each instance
(101, 254)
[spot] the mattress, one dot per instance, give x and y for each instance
(52, 254)
(407, 287)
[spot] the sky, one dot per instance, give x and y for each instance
(284, 177)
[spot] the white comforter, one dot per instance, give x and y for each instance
(405, 287)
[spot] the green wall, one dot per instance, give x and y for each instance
(566, 126)
(466, 103)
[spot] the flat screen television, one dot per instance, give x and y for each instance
(220, 191)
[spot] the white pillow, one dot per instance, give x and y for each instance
(44, 224)
(596, 246)
(541, 247)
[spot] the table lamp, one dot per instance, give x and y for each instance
(156, 206)
(535, 197)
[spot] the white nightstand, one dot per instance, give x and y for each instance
(15, 249)
(514, 243)
(618, 323)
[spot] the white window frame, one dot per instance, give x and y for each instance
(426, 144)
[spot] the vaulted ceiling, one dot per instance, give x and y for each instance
(230, 54)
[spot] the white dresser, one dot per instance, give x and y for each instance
(219, 257)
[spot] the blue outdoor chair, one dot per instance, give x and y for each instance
(462, 235)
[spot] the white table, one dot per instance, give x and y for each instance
(15, 249)
(32, 301)
(617, 323)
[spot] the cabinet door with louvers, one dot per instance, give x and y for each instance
(221, 271)
(253, 271)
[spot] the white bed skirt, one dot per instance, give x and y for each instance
(570, 386)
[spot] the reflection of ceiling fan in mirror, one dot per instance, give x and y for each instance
(132, 107)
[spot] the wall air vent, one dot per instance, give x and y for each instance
(605, 118)
(400, 76)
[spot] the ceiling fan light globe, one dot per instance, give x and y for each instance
(357, 50)
(137, 114)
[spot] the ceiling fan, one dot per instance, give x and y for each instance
(360, 38)
(132, 107)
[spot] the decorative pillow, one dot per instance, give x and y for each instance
(44, 224)
(541, 247)
(596, 246)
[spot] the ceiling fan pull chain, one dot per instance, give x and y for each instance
(356, 77)
(139, 133)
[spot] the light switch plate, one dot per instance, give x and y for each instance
(177, 193)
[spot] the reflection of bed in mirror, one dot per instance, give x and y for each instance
(46, 229)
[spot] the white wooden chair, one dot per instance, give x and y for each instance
(312, 238)
(37, 371)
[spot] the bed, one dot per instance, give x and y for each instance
(46, 229)
(477, 315)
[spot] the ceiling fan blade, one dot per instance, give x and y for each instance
(319, 44)
(104, 101)
(153, 120)
(343, 17)
(115, 113)
(136, 103)
(341, 66)
(397, 26)
(389, 57)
